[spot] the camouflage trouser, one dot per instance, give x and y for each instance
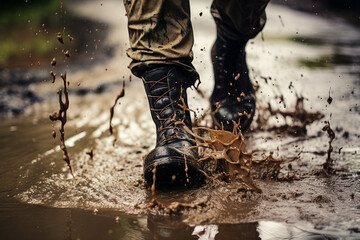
(160, 31)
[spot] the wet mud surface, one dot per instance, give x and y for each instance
(299, 167)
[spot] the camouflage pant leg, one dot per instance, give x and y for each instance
(160, 32)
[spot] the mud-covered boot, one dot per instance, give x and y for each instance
(233, 98)
(175, 155)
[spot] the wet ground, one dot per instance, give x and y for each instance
(298, 54)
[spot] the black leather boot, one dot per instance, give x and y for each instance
(233, 98)
(175, 160)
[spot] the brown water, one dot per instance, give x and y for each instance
(108, 199)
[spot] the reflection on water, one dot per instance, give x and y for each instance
(36, 222)
(206, 231)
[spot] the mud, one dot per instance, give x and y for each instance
(108, 197)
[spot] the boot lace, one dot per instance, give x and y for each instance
(168, 130)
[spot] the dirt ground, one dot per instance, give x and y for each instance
(299, 56)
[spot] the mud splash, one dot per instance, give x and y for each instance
(224, 160)
(328, 165)
(299, 118)
(61, 115)
(223, 156)
(120, 95)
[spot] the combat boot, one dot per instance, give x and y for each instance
(233, 97)
(175, 157)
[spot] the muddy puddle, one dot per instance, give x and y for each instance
(302, 87)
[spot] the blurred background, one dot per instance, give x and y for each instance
(28, 30)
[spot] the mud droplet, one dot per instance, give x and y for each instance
(291, 85)
(53, 75)
(329, 100)
(53, 134)
(53, 62)
(120, 95)
(282, 23)
(90, 153)
(340, 150)
(67, 53)
(70, 37)
(327, 166)
(60, 38)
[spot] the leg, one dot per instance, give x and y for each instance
(161, 40)
(160, 32)
(239, 19)
(237, 22)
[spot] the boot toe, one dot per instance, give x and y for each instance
(173, 168)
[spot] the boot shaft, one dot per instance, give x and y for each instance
(165, 87)
(230, 68)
